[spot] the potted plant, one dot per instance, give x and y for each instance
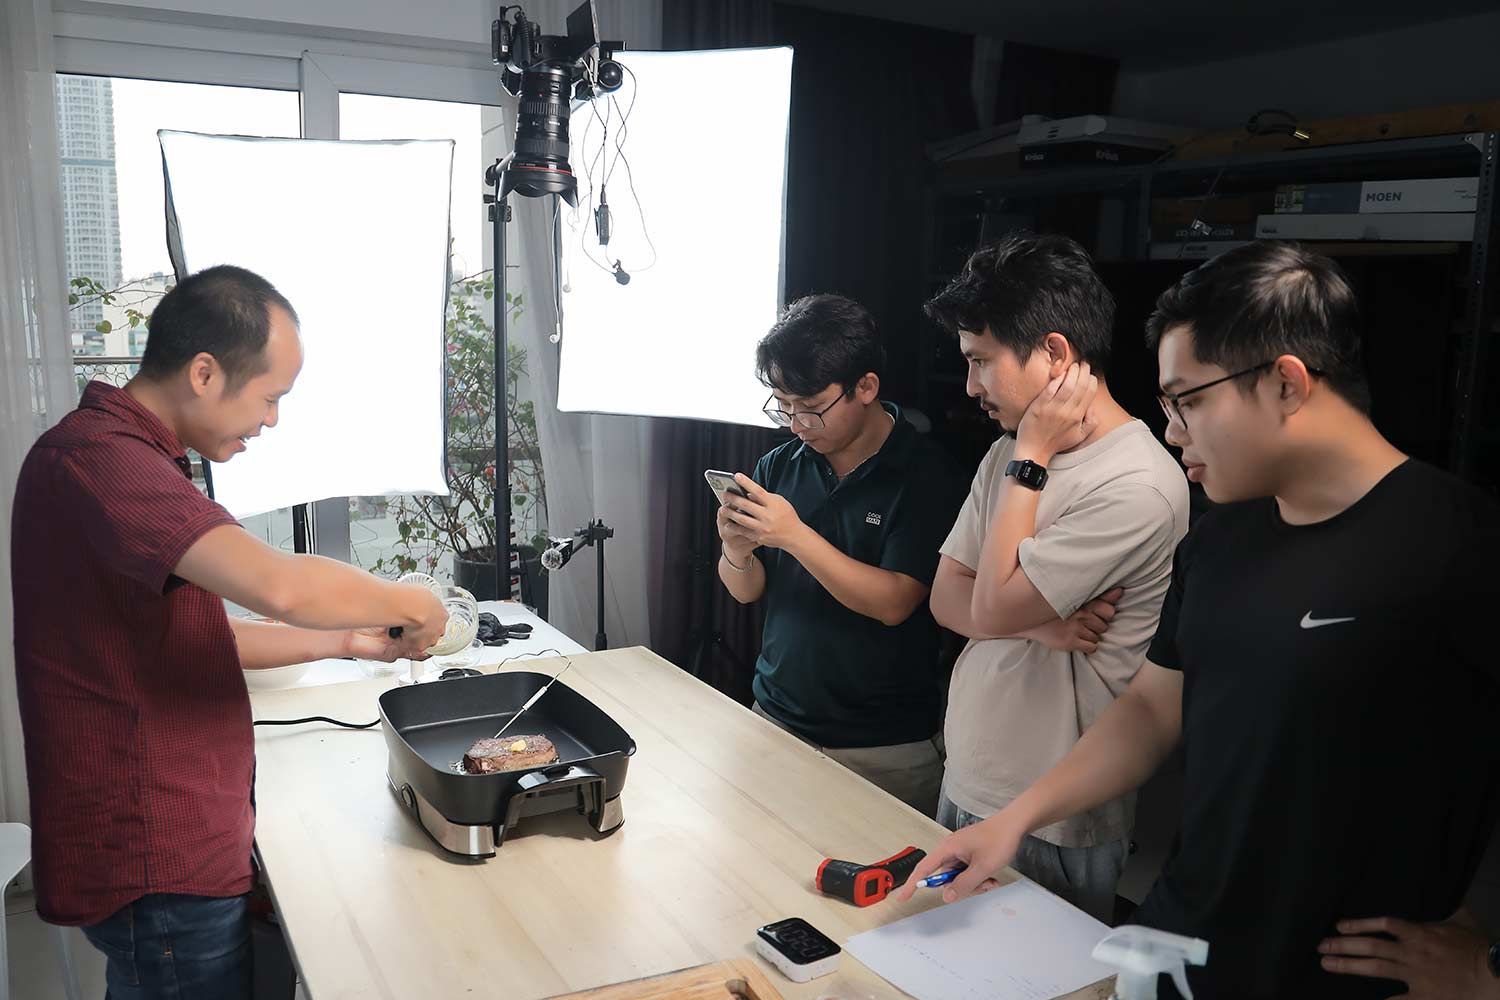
(461, 525)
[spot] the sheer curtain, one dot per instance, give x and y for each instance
(36, 372)
(596, 466)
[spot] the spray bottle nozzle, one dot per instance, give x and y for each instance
(1141, 954)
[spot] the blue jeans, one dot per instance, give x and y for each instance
(171, 947)
(1087, 877)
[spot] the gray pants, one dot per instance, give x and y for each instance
(912, 772)
(1085, 876)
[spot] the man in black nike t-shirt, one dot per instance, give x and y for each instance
(1322, 658)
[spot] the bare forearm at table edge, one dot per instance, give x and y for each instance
(864, 589)
(1115, 756)
(263, 645)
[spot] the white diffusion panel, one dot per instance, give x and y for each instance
(355, 235)
(705, 150)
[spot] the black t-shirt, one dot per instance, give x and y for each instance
(833, 675)
(1341, 684)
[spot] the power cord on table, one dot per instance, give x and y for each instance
(368, 725)
(524, 656)
(316, 718)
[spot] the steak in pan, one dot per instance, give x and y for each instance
(509, 753)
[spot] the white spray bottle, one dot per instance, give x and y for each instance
(1141, 954)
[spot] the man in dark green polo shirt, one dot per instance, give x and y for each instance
(840, 535)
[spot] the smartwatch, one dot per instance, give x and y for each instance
(1027, 473)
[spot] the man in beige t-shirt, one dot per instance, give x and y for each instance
(1078, 502)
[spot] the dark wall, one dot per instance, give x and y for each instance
(866, 96)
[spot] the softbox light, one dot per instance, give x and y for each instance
(355, 235)
(705, 148)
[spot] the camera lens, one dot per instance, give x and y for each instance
(540, 165)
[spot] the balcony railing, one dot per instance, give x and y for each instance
(116, 371)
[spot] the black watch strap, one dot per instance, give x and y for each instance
(1027, 473)
(1494, 959)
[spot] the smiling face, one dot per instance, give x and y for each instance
(1231, 440)
(219, 418)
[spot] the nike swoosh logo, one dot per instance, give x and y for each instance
(1308, 621)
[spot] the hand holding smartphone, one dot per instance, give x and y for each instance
(724, 486)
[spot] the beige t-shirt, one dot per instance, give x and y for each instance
(1111, 515)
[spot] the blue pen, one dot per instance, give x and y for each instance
(941, 878)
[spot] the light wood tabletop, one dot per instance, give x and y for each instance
(726, 820)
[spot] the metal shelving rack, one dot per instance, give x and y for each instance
(1466, 154)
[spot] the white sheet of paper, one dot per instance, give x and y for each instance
(1018, 942)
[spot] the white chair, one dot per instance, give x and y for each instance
(15, 854)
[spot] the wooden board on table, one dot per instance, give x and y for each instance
(733, 980)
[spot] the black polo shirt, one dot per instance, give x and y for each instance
(835, 676)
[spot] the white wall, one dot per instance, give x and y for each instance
(432, 21)
(1449, 62)
(453, 26)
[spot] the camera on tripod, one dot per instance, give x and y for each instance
(546, 73)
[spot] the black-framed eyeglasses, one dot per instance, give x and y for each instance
(1169, 400)
(810, 420)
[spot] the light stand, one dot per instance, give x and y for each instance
(595, 534)
(544, 73)
(499, 210)
(557, 554)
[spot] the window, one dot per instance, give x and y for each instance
(114, 234)
(394, 534)
(113, 211)
(423, 532)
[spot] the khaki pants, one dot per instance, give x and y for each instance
(912, 772)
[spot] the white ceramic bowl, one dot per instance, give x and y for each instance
(275, 677)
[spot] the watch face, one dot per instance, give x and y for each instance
(1027, 473)
(798, 940)
(1495, 959)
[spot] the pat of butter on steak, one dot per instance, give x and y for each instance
(510, 753)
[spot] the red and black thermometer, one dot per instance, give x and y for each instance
(864, 885)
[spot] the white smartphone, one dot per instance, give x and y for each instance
(723, 485)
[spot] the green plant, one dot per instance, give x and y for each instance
(85, 291)
(462, 523)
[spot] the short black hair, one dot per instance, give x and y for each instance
(1023, 287)
(820, 340)
(224, 311)
(1265, 299)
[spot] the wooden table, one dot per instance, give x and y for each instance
(726, 819)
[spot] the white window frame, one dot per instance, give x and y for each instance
(205, 50)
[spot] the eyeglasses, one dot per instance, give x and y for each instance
(808, 420)
(1170, 402)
